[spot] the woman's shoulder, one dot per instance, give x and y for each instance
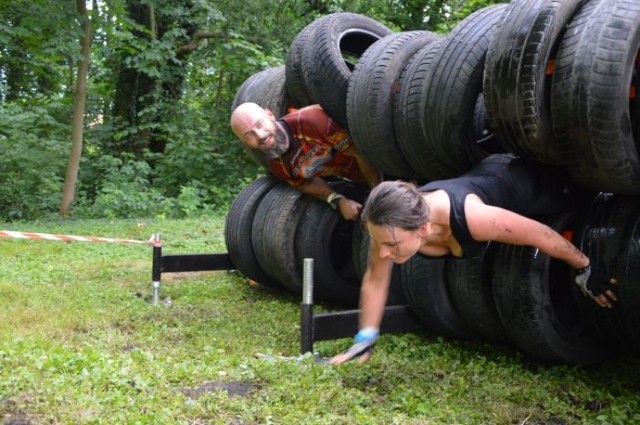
(439, 206)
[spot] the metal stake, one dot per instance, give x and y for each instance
(156, 267)
(306, 308)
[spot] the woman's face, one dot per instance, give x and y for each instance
(394, 243)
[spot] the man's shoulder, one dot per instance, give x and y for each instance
(312, 121)
(306, 113)
(315, 108)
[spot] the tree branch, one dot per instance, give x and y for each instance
(197, 37)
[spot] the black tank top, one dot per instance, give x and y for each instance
(516, 184)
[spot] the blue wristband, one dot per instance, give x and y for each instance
(367, 334)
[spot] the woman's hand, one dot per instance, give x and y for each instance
(362, 347)
(596, 283)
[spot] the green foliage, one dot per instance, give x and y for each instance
(37, 47)
(457, 11)
(203, 153)
(179, 97)
(126, 190)
(34, 147)
(81, 343)
(407, 15)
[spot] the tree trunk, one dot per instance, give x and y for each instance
(136, 91)
(77, 126)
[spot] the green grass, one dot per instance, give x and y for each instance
(80, 343)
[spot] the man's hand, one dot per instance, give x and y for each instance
(362, 348)
(349, 209)
(596, 283)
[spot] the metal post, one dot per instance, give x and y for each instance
(306, 308)
(156, 267)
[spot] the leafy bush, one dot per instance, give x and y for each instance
(126, 191)
(203, 155)
(199, 172)
(34, 148)
(190, 202)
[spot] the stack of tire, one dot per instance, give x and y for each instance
(271, 228)
(551, 80)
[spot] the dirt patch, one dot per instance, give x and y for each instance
(11, 412)
(177, 276)
(550, 421)
(16, 419)
(233, 389)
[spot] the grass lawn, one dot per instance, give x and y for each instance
(80, 343)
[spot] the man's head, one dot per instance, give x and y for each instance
(258, 130)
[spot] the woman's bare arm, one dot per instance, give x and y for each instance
(373, 298)
(488, 223)
(374, 289)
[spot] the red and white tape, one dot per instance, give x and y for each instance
(68, 238)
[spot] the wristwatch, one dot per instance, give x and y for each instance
(333, 199)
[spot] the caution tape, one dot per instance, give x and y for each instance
(70, 238)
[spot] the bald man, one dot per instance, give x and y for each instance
(303, 146)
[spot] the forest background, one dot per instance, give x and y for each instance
(120, 108)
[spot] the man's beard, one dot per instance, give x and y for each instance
(281, 145)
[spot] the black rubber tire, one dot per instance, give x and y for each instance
(516, 84)
(396, 295)
(273, 234)
(237, 230)
(453, 87)
(267, 89)
(537, 302)
(611, 238)
(563, 86)
(359, 250)
(425, 287)
(271, 92)
(326, 63)
(480, 122)
(325, 236)
(471, 291)
(241, 95)
(592, 110)
(295, 82)
(408, 117)
(370, 98)
(482, 134)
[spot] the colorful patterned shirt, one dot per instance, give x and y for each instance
(318, 147)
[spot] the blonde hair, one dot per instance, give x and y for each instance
(396, 204)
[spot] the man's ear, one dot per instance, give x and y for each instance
(423, 229)
(270, 114)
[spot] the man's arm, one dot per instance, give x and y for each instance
(316, 187)
(349, 209)
(372, 175)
